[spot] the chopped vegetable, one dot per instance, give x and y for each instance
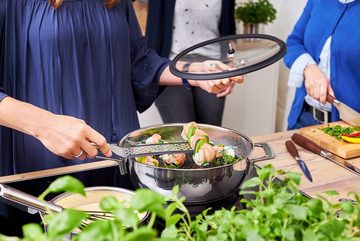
(355, 140)
(338, 130)
(198, 145)
(356, 134)
(191, 132)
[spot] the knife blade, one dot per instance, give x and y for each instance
(315, 148)
(347, 114)
(291, 148)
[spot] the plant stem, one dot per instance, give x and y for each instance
(152, 220)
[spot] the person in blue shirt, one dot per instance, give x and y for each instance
(323, 57)
(73, 73)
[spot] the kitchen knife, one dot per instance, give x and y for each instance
(290, 146)
(315, 148)
(347, 114)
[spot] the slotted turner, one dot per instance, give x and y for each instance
(121, 153)
(151, 149)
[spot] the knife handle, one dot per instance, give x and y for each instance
(307, 144)
(292, 149)
(330, 99)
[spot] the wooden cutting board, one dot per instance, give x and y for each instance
(337, 147)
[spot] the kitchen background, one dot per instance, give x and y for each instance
(261, 104)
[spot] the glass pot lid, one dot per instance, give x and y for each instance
(228, 56)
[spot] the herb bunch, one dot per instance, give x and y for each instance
(276, 211)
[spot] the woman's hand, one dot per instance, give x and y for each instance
(71, 138)
(220, 87)
(214, 66)
(65, 136)
(316, 84)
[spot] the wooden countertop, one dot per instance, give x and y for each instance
(326, 174)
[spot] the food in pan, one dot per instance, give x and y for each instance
(170, 160)
(205, 154)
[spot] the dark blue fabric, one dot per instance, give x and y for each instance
(2, 95)
(160, 23)
(319, 20)
(82, 60)
(306, 118)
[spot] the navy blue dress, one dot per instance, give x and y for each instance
(82, 60)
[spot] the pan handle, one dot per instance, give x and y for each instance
(269, 153)
(32, 204)
(120, 160)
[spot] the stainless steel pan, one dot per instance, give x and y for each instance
(197, 184)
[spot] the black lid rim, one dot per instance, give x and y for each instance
(236, 72)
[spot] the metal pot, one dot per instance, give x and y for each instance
(197, 185)
(88, 203)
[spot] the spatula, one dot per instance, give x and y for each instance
(347, 114)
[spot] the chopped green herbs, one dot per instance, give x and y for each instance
(338, 130)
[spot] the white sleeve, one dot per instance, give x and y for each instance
(296, 76)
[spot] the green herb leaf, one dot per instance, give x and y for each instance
(64, 184)
(146, 200)
(332, 193)
(64, 222)
(173, 219)
(127, 216)
(170, 209)
(347, 207)
(309, 235)
(316, 207)
(252, 182)
(143, 233)
(296, 211)
(33, 232)
(99, 230)
(109, 203)
(333, 228)
(170, 232)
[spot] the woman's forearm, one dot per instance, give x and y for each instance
(63, 135)
(167, 78)
(22, 116)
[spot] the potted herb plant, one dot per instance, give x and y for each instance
(255, 13)
(277, 211)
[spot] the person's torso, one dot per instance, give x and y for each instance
(74, 60)
(195, 22)
(332, 18)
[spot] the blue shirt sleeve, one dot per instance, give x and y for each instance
(146, 66)
(2, 94)
(295, 41)
(2, 23)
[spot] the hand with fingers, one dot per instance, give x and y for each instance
(317, 84)
(220, 87)
(71, 138)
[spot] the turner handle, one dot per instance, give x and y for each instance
(307, 144)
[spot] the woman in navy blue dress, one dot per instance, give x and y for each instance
(73, 72)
